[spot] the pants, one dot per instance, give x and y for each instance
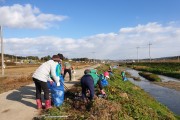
(69, 72)
(40, 85)
(100, 85)
(87, 83)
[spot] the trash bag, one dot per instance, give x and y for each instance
(104, 82)
(111, 74)
(57, 92)
(125, 78)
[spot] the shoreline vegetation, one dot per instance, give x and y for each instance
(150, 76)
(124, 101)
(170, 69)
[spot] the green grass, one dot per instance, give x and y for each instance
(167, 69)
(139, 104)
(150, 76)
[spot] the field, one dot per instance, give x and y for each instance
(19, 75)
(16, 76)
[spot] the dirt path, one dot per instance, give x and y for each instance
(20, 104)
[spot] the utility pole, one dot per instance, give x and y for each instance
(2, 52)
(137, 54)
(94, 56)
(12, 58)
(149, 51)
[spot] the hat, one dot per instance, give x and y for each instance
(56, 58)
(61, 56)
(106, 74)
(87, 71)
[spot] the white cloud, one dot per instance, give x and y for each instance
(27, 16)
(165, 41)
(150, 28)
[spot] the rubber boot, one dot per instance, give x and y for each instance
(39, 103)
(48, 104)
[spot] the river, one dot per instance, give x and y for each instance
(166, 96)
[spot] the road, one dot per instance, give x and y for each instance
(20, 104)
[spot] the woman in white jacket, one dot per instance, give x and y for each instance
(40, 78)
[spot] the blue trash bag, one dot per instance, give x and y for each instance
(104, 82)
(125, 78)
(57, 92)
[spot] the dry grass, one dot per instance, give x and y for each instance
(10, 83)
(99, 109)
(170, 84)
(21, 75)
(18, 71)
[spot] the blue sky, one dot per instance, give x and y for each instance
(103, 29)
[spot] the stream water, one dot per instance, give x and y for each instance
(166, 96)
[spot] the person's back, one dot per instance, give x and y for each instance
(95, 76)
(67, 65)
(42, 73)
(67, 69)
(123, 73)
(87, 83)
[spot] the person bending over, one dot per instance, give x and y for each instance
(40, 78)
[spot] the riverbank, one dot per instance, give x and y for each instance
(168, 97)
(170, 69)
(170, 84)
(124, 101)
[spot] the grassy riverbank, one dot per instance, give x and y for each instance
(124, 101)
(150, 76)
(167, 69)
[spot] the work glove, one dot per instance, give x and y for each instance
(51, 82)
(73, 71)
(58, 83)
(102, 92)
